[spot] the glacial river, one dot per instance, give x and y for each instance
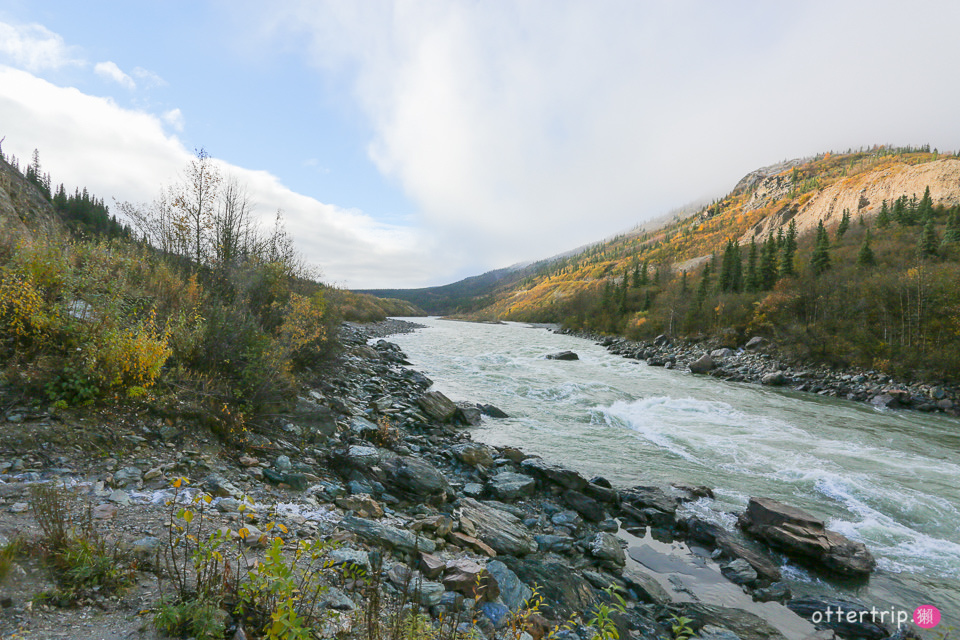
(889, 479)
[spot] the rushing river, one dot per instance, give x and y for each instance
(889, 479)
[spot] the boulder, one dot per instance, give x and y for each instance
(509, 486)
(492, 411)
(437, 406)
(387, 536)
(416, 478)
(703, 364)
(725, 352)
(565, 591)
(468, 414)
(773, 379)
(803, 537)
(469, 578)
(503, 531)
(587, 507)
(745, 625)
(606, 548)
(739, 571)
(563, 355)
(556, 474)
(315, 417)
(755, 343)
(473, 454)
(645, 586)
(513, 592)
(361, 504)
(856, 626)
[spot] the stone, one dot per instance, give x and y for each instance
(469, 578)
(776, 592)
(642, 497)
(345, 557)
(430, 565)
(739, 571)
(19, 507)
(502, 531)
(416, 478)
(362, 504)
(569, 519)
(473, 454)
(497, 613)
(803, 537)
(606, 548)
(703, 364)
(563, 355)
(645, 586)
(755, 343)
(509, 486)
(473, 490)
(228, 505)
(860, 626)
(743, 624)
(587, 507)
(554, 543)
(513, 592)
(492, 411)
(156, 472)
(363, 428)
(283, 464)
(146, 547)
(773, 379)
(125, 476)
(119, 497)
(218, 487)
(713, 632)
(316, 418)
(552, 473)
(437, 406)
(334, 598)
(248, 461)
(104, 512)
(564, 589)
(725, 352)
(386, 535)
(468, 414)
(470, 542)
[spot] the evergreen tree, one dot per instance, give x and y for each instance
(789, 251)
(768, 263)
(928, 240)
(636, 275)
(820, 258)
(684, 288)
(883, 218)
(925, 208)
(952, 233)
(644, 274)
(844, 224)
(865, 257)
(753, 276)
(704, 285)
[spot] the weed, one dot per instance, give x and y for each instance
(680, 628)
(601, 624)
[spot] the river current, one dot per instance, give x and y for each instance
(889, 479)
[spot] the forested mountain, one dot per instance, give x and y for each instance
(850, 258)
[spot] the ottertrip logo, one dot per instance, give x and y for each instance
(926, 616)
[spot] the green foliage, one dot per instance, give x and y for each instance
(680, 628)
(601, 624)
(865, 256)
(820, 258)
(194, 618)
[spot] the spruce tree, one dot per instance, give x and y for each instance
(789, 251)
(865, 257)
(768, 263)
(704, 285)
(736, 270)
(883, 218)
(820, 258)
(644, 274)
(844, 224)
(951, 234)
(753, 277)
(928, 240)
(684, 289)
(925, 208)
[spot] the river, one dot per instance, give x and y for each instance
(889, 479)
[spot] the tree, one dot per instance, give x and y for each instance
(844, 224)
(951, 234)
(928, 240)
(789, 250)
(752, 283)
(704, 285)
(883, 218)
(820, 258)
(865, 257)
(194, 203)
(768, 263)
(925, 208)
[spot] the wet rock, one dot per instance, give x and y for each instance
(773, 379)
(416, 478)
(645, 586)
(739, 571)
(492, 411)
(473, 454)
(703, 364)
(509, 486)
(587, 507)
(386, 535)
(513, 592)
(802, 536)
(563, 355)
(745, 625)
(503, 531)
(641, 497)
(606, 548)
(776, 592)
(555, 474)
(437, 406)
(468, 414)
(834, 615)
(564, 589)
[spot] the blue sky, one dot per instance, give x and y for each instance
(414, 142)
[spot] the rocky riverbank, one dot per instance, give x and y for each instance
(759, 361)
(373, 459)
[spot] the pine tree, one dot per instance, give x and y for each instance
(820, 258)
(952, 233)
(736, 270)
(789, 251)
(636, 275)
(753, 277)
(883, 218)
(704, 285)
(684, 288)
(644, 274)
(925, 208)
(768, 263)
(844, 224)
(865, 257)
(928, 240)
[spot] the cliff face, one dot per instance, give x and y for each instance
(23, 211)
(863, 194)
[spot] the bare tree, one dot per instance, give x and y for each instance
(235, 232)
(195, 201)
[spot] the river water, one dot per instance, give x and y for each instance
(889, 479)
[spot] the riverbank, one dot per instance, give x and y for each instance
(759, 362)
(374, 460)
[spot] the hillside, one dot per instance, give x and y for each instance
(881, 292)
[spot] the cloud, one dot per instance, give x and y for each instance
(111, 71)
(174, 118)
(124, 154)
(524, 129)
(148, 77)
(35, 48)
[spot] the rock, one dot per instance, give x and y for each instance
(283, 464)
(803, 537)
(713, 632)
(766, 569)
(755, 343)
(885, 401)
(563, 355)
(468, 414)
(495, 612)
(337, 600)
(776, 592)
(316, 418)
(703, 364)
(146, 547)
(739, 571)
(363, 428)
(606, 548)
(19, 507)
(556, 474)
(569, 519)
(248, 461)
(838, 620)
(104, 511)
(725, 352)
(473, 454)
(437, 406)
(469, 578)
(416, 478)
(296, 481)
(645, 586)
(554, 543)
(745, 625)
(469, 542)
(362, 504)
(501, 530)
(228, 505)
(641, 497)
(430, 565)
(156, 472)
(386, 535)
(473, 490)
(344, 557)
(773, 379)
(587, 507)
(125, 476)
(513, 592)
(218, 487)
(564, 589)
(492, 411)
(119, 497)
(509, 486)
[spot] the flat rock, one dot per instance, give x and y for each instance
(511, 486)
(387, 535)
(563, 355)
(503, 531)
(437, 406)
(556, 474)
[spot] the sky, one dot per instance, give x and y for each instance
(412, 143)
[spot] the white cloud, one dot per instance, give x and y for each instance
(35, 48)
(119, 153)
(524, 129)
(174, 118)
(111, 71)
(149, 78)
